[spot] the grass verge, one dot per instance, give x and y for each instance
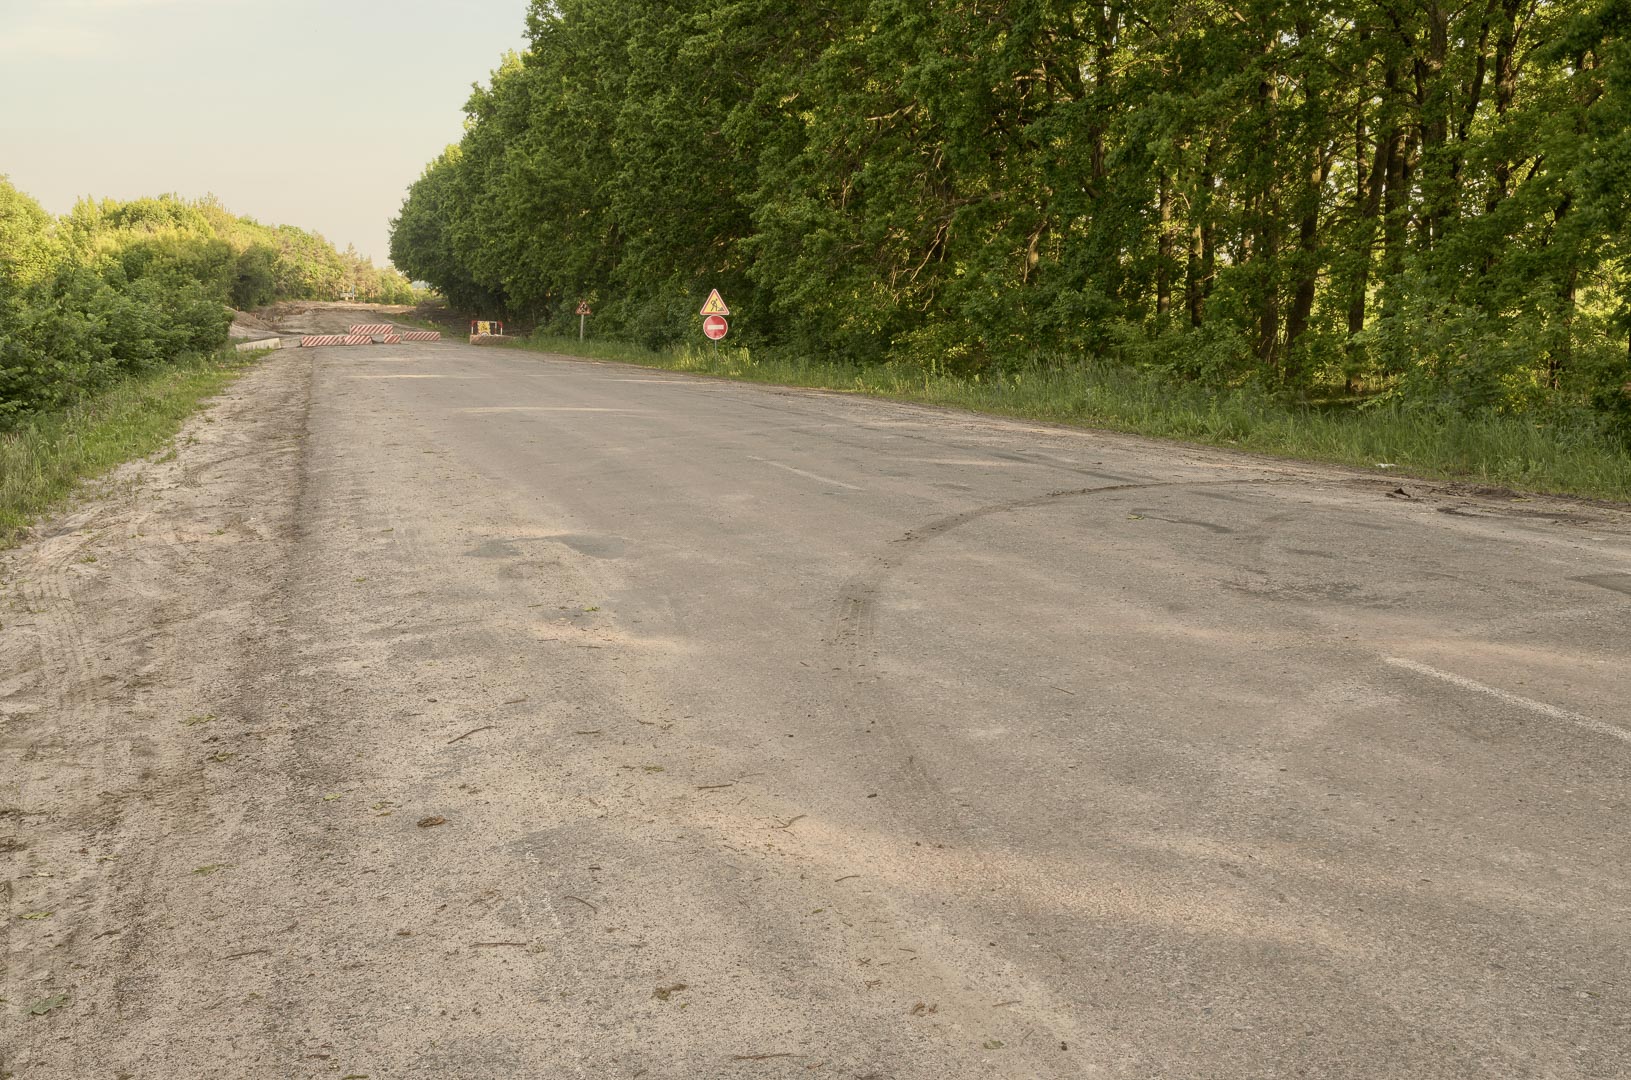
(45, 457)
(1488, 451)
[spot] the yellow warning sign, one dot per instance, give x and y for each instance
(715, 305)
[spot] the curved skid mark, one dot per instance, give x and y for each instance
(859, 593)
(857, 605)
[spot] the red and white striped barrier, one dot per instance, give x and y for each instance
(372, 328)
(390, 339)
(421, 335)
(311, 341)
(357, 339)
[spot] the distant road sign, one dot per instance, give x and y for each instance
(715, 305)
(715, 327)
(583, 308)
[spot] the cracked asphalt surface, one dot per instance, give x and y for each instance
(441, 711)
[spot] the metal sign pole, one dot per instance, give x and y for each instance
(580, 326)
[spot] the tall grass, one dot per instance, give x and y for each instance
(43, 458)
(1503, 451)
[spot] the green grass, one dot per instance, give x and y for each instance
(45, 457)
(1492, 451)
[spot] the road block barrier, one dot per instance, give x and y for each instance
(421, 335)
(311, 341)
(372, 328)
(357, 339)
(390, 339)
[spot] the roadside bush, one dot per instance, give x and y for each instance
(255, 280)
(82, 310)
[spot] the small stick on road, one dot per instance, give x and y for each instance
(790, 822)
(472, 731)
(241, 955)
(1062, 690)
(584, 902)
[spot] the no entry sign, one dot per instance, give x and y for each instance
(715, 327)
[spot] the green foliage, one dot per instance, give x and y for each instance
(255, 279)
(117, 288)
(27, 249)
(1424, 203)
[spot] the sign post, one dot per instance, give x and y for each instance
(714, 326)
(583, 312)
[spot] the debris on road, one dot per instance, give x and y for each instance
(45, 1005)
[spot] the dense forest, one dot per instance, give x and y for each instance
(114, 287)
(1425, 201)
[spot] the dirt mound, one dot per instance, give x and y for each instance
(248, 327)
(249, 320)
(325, 317)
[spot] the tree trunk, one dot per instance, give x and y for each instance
(1163, 259)
(1202, 240)
(1506, 88)
(1266, 236)
(1302, 301)
(1558, 359)
(1367, 203)
(1432, 101)
(1194, 298)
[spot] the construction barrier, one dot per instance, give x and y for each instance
(372, 328)
(357, 339)
(311, 341)
(390, 339)
(421, 335)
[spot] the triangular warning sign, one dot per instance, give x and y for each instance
(715, 305)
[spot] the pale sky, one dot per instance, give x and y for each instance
(298, 112)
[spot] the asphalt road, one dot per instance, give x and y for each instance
(784, 734)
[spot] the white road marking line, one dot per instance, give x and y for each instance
(983, 463)
(1514, 699)
(806, 475)
(483, 410)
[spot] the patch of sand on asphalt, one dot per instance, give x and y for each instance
(296, 786)
(133, 633)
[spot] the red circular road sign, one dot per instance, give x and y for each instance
(715, 327)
